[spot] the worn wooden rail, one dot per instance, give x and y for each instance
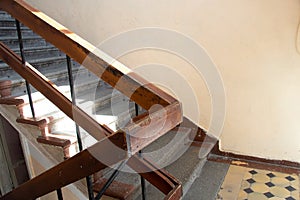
(134, 137)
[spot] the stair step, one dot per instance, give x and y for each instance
(175, 152)
(186, 169)
(172, 150)
(12, 31)
(57, 75)
(28, 41)
(113, 121)
(169, 147)
(208, 184)
(5, 15)
(7, 21)
(42, 64)
(34, 53)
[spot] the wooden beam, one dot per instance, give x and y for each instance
(116, 74)
(79, 166)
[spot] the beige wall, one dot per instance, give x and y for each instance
(252, 42)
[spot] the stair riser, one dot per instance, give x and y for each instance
(7, 22)
(56, 65)
(27, 42)
(43, 53)
(4, 15)
(54, 111)
(47, 52)
(12, 32)
(19, 88)
(59, 123)
(43, 67)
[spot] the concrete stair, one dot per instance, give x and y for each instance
(173, 151)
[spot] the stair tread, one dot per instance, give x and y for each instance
(34, 61)
(208, 184)
(12, 27)
(8, 18)
(35, 48)
(24, 37)
(186, 169)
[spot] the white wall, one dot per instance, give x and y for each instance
(253, 43)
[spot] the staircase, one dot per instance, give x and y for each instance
(104, 103)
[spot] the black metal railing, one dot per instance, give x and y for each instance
(21, 46)
(78, 133)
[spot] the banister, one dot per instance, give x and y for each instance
(49, 90)
(143, 93)
(165, 118)
(133, 86)
(130, 139)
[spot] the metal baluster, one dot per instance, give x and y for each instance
(143, 183)
(110, 180)
(78, 134)
(59, 194)
(20, 39)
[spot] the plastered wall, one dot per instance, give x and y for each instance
(252, 42)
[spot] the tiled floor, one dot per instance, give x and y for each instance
(243, 183)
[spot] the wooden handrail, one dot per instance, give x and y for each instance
(129, 140)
